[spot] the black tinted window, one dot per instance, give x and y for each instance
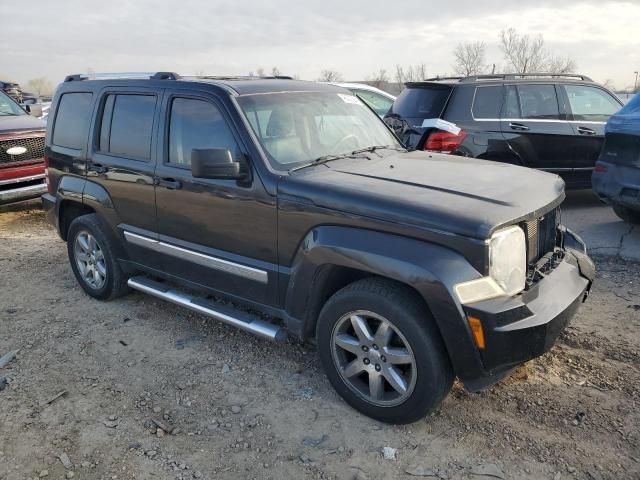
(511, 105)
(538, 101)
(127, 122)
(487, 102)
(422, 102)
(72, 120)
(196, 124)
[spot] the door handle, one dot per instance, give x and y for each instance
(518, 126)
(586, 131)
(170, 183)
(97, 168)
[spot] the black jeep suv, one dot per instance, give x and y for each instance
(293, 199)
(549, 122)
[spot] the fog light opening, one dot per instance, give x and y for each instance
(478, 333)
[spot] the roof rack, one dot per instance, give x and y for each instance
(515, 76)
(123, 75)
(240, 77)
(441, 79)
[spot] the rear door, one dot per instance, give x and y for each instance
(536, 128)
(590, 108)
(123, 162)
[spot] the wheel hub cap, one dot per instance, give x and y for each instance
(90, 260)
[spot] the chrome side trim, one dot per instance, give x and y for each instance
(240, 320)
(208, 261)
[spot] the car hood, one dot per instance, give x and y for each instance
(16, 123)
(447, 193)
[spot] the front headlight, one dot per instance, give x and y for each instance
(508, 259)
(507, 268)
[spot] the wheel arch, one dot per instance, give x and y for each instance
(331, 257)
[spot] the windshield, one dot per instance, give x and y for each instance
(9, 107)
(296, 128)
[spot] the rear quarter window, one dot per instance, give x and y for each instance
(487, 102)
(72, 120)
(422, 102)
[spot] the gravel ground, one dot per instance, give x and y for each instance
(138, 388)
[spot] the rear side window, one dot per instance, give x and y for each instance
(379, 103)
(487, 102)
(196, 124)
(590, 103)
(127, 122)
(422, 102)
(538, 101)
(72, 120)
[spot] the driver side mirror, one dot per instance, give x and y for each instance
(34, 109)
(214, 163)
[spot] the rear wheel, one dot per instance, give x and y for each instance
(382, 352)
(93, 259)
(626, 214)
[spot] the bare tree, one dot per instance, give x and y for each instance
(275, 72)
(330, 76)
(379, 78)
(470, 58)
(259, 72)
(609, 84)
(40, 86)
(525, 54)
(412, 73)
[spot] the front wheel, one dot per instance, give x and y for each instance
(382, 352)
(626, 214)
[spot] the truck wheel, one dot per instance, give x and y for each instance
(382, 352)
(626, 214)
(93, 259)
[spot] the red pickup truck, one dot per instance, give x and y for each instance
(22, 165)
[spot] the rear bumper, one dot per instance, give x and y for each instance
(620, 184)
(524, 327)
(23, 188)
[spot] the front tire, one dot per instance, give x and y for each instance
(93, 259)
(382, 352)
(626, 214)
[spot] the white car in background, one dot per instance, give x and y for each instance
(379, 100)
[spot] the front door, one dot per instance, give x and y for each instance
(536, 129)
(216, 233)
(591, 107)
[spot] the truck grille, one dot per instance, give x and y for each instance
(34, 146)
(542, 235)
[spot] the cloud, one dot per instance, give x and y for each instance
(302, 38)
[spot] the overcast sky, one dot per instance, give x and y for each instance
(302, 37)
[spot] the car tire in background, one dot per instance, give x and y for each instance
(93, 259)
(626, 214)
(382, 352)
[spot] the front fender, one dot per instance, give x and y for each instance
(431, 270)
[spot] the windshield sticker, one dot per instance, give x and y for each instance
(349, 99)
(440, 125)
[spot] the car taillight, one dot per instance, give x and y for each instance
(46, 172)
(600, 168)
(444, 141)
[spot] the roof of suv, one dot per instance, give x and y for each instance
(240, 85)
(507, 77)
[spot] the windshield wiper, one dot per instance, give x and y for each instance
(329, 158)
(379, 147)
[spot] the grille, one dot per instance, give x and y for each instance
(34, 146)
(542, 235)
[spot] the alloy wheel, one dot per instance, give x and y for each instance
(90, 260)
(373, 358)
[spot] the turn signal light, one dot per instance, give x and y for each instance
(478, 333)
(600, 168)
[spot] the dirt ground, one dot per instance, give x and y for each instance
(228, 405)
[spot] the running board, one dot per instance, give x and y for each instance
(243, 321)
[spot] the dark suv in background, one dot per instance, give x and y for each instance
(549, 122)
(294, 201)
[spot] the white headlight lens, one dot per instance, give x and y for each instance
(508, 259)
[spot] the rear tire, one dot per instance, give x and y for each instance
(382, 352)
(626, 214)
(93, 258)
